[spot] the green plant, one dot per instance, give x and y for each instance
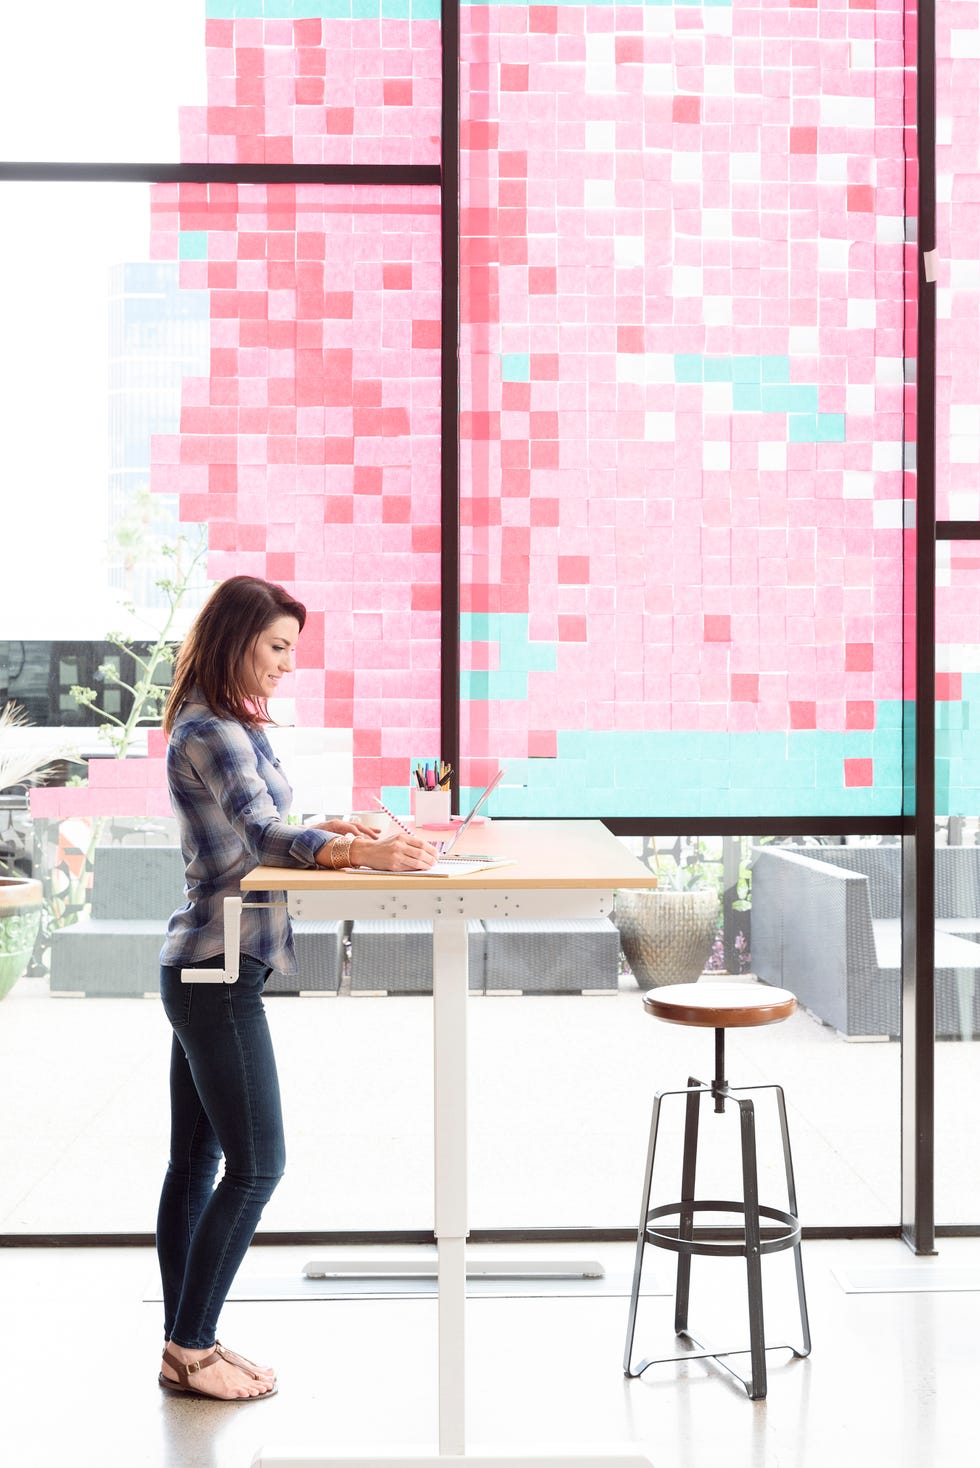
(684, 863)
(68, 879)
(148, 693)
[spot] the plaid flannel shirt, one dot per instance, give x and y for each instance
(230, 797)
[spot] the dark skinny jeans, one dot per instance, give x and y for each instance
(224, 1099)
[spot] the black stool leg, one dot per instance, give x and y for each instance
(641, 1236)
(753, 1251)
(749, 1244)
(791, 1194)
(685, 1229)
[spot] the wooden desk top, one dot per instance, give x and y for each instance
(539, 854)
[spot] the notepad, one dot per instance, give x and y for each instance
(449, 866)
(457, 866)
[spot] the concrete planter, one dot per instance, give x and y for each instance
(21, 903)
(666, 936)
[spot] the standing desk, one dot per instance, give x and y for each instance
(557, 869)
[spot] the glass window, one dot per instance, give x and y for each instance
(562, 1131)
(265, 362)
(682, 436)
(957, 271)
(558, 1126)
(100, 82)
(683, 380)
(271, 369)
(223, 82)
(76, 369)
(957, 868)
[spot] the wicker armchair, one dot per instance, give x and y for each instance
(826, 924)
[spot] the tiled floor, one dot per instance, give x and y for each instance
(891, 1381)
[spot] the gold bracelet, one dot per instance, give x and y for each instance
(343, 844)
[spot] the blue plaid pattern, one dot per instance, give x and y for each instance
(230, 797)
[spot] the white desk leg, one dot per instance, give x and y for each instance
(450, 973)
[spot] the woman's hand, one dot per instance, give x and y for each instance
(395, 851)
(348, 828)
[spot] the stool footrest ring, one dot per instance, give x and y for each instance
(771, 1241)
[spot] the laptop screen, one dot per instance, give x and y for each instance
(446, 846)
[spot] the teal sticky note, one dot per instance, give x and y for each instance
(192, 244)
(515, 366)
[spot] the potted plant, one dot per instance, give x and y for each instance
(21, 898)
(21, 902)
(667, 933)
(71, 860)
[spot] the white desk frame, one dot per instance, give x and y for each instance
(527, 889)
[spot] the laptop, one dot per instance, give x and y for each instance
(445, 847)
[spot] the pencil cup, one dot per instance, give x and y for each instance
(432, 807)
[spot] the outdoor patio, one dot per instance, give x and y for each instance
(561, 1087)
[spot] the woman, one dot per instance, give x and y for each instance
(230, 798)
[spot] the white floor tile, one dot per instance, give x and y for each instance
(890, 1380)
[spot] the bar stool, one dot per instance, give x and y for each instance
(719, 1006)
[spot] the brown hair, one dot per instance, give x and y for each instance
(212, 655)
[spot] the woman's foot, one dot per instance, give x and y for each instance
(265, 1373)
(219, 1374)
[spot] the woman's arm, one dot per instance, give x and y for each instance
(223, 758)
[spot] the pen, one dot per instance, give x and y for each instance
(391, 815)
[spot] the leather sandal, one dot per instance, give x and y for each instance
(186, 1369)
(237, 1359)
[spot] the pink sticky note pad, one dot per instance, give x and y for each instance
(453, 824)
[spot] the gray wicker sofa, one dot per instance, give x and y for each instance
(826, 924)
(134, 891)
(510, 955)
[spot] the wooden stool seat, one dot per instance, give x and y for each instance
(758, 1228)
(719, 1006)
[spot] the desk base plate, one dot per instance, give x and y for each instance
(614, 1457)
(475, 1269)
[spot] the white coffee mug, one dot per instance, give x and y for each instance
(376, 820)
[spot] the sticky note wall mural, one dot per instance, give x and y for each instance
(684, 344)
(312, 449)
(318, 81)
(958, 407)
(684, 335)
(958, 678)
